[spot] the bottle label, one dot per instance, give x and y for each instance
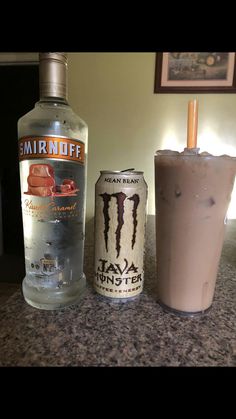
(52, 187)
(52, 175)
(51, 147)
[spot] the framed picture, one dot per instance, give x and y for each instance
(200, 72)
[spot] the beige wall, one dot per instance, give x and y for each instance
(113, 93)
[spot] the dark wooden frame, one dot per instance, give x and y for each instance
(158, 88)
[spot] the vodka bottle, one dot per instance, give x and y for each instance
(52, 154)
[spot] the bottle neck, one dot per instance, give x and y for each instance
(53, 78)
(53, 101)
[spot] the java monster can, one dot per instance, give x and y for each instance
(120, 221)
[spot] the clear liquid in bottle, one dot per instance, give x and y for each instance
(52, 154)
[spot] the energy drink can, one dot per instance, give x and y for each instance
(120, 221)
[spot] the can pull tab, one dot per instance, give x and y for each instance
(128, 170)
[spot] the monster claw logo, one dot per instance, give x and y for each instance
(136, 200)
(106, 199)
(120, 198)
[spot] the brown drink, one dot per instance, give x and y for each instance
(192, 197)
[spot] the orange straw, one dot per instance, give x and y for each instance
(192, 123)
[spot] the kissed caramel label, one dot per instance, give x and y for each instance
(51, 147)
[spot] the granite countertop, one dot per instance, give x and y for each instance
(97, 332)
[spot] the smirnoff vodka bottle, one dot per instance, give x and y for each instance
(52, 154)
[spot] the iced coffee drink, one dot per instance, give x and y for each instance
(192, 192)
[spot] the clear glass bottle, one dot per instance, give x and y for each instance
(52, 154)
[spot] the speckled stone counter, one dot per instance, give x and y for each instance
(139, 333)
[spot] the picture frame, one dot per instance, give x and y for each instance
(195, 72)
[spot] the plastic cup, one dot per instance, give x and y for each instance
(192, 192)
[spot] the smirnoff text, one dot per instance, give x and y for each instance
(49, 147)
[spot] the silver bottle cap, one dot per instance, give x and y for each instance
(53, 74)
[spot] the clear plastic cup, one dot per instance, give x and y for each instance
(192, 192)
